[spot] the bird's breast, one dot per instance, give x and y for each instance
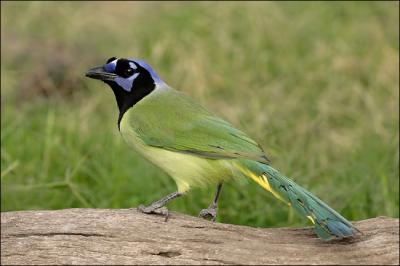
(187, 170)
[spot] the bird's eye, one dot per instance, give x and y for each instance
(128, 72)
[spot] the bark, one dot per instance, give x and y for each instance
(103, 236)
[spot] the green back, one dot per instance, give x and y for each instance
(171, 120)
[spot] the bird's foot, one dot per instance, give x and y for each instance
(210, 212)
(154, 210)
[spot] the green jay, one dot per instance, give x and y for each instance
(197, 148)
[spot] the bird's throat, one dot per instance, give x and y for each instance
(126, 100)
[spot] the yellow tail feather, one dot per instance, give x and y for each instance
(262, 181)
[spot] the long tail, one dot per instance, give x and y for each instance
(328, 223)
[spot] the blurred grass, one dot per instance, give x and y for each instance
(315, 83)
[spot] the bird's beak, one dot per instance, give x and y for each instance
(100, 73)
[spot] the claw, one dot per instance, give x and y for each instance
(149, 210)
(143, 209)
(210, 212)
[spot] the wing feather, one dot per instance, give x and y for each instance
(171, 120)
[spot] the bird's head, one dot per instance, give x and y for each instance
(130, 79)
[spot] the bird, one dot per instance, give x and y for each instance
(197, 148)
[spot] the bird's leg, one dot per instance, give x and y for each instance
(211, 211)
(159, 205)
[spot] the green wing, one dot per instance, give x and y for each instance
(171, 120)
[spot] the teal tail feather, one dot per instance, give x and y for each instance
(328, 224)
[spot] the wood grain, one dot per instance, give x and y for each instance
(125, 236)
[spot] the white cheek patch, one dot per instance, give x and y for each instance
(132, 65)
(126, 83)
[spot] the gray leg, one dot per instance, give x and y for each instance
(159, 205)
(211, 211)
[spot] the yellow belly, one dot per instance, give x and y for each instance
(187, 170)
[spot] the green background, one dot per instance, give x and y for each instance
(316, 84)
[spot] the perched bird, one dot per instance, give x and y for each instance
(196, 147)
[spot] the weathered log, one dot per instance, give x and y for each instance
(103, 236)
